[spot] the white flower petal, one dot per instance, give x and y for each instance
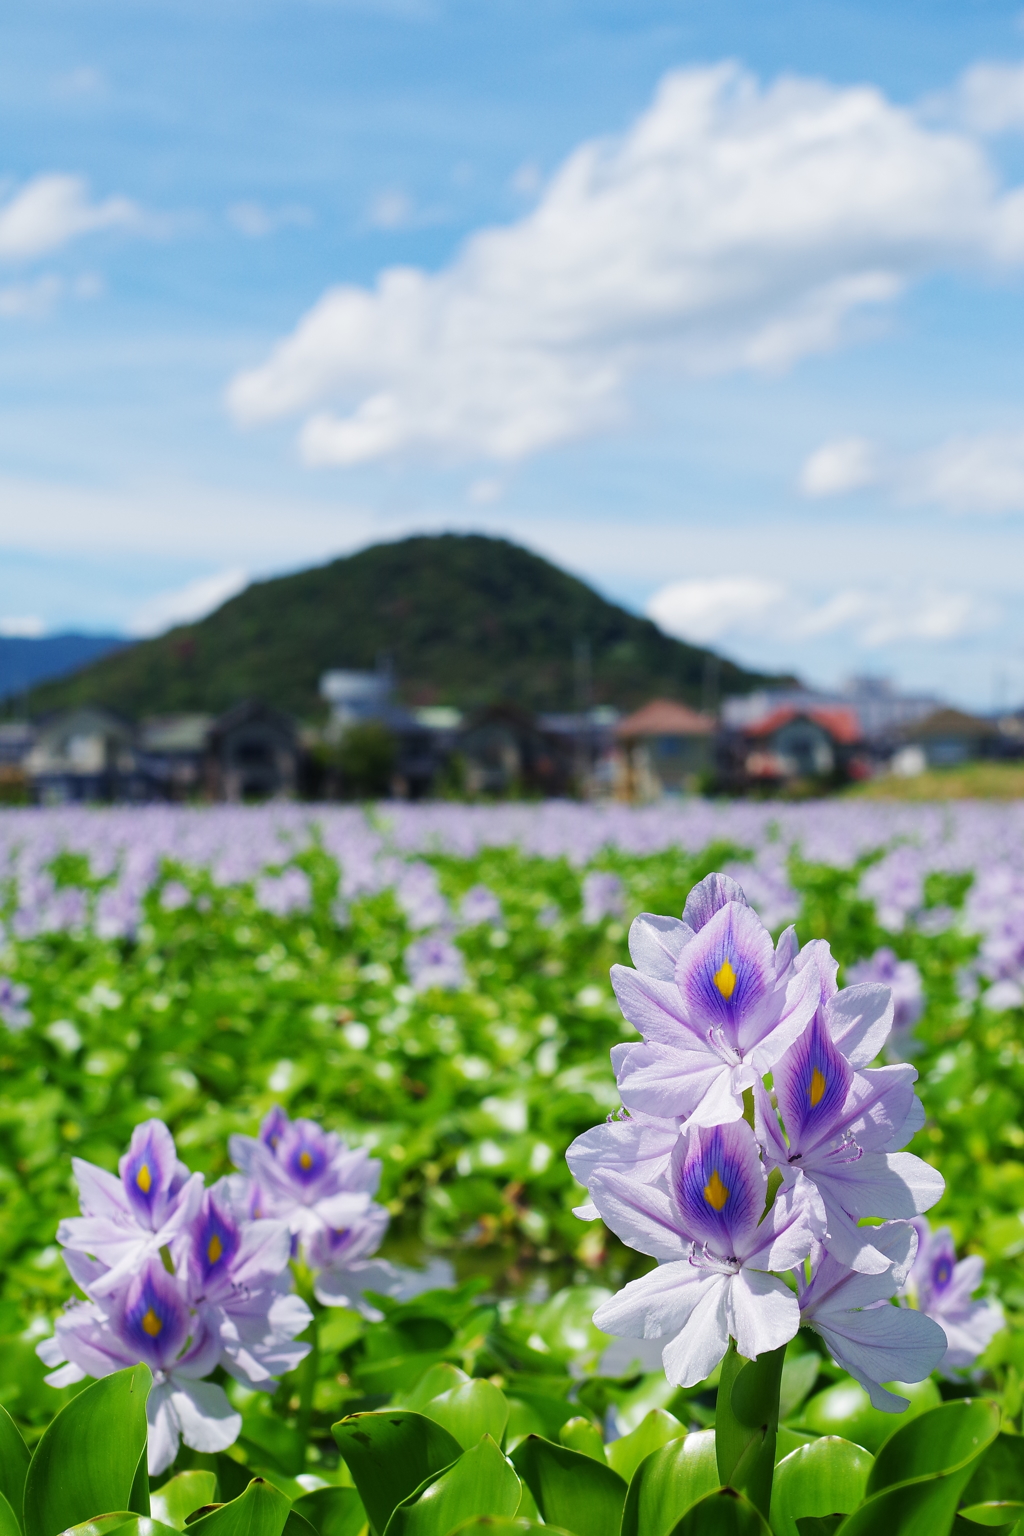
(208, 1421)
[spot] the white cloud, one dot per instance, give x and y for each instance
(845, 465)
(256, 221)
(22, 627)
(484, 491)
(52, 210)
(732, 226)
(186, 604)
(390, 210)
(32, 300)
(972, 474)
(733, 608)
(989, 98)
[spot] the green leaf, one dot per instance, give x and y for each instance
(433, 1383)
(824, 1477)
(994, 1512)
(9, 1525)
(722, 1513)
(14, 1460)
(297, 1525)
(125, 1521)
(938, 1444)
(921, 1471)
(799, 1374)
(999, 1474)
(818, 1525)
(789, 1440)
(333, 1511)
(86, 1461)
(487, 1525)
(747, 1421)
(469, 1411)
(847, 1411)
(390, 1453)
(181, 1495)
(271, 1437)
(480, 1483)
(262, 1510)
(581, 1434)
(667, 1482)
(570, 1489)
(655, 1429)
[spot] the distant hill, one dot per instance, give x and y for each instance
(24, 662)
(464, 619)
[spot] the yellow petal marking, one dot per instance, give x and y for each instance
(816, 1091)
(144, 1179)
(151, 1324)
(725, 979)
(214, 1249)
(305, 1159)
(715, 1192)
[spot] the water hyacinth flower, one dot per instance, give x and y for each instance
(872, 1341)
(844, 1122)
(323, 1189)
(13, 997)
(602, 896)
(149, 1321)
(903, 979)
(479, 905)
(435, 961)
(716, 1003)
(126, 1219)
(716, 1256)
(942, 1288)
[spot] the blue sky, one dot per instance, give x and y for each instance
(720, 307)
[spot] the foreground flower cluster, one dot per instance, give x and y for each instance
(184, 1279)
(750, 1196)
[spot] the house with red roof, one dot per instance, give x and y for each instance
(665, 748)
(812, 742)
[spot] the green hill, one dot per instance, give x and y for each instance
(464, 619)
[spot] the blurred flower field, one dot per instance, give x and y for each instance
(433, 983)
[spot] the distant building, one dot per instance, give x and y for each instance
(252, 754)
(357, 696)
(944, 739)
(171, 755)
(880, 709)
(83, 754)
(666, 747)
(16, 740)
(817, 742)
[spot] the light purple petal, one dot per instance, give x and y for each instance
(764, 1313)
(883, 1344)
(164, 1430)
(811, 1083)
(654, 1007)
(709, 896)
(726, 975)
(657, 1305)
(785, 1236)
(666, 1083)
(860, 1019)
(718, 1183)
(642, 1215)
(208, 1421)
(641, 1145)
(655, 944)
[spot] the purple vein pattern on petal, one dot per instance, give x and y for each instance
(726, 973)
(719, 1185)
(710, 896)
(811, 1082)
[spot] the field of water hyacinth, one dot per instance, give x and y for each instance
(286, 1097)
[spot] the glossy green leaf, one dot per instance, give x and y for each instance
(847, 1411)
(999, 1474)
(799, 1374)
(439, 1379)
(825, 1477)
(333, 1511)
(181, 1495)
(272, 1438)
(667, 1482)
(390, 1454)
(570, 1489)
(580, 1434)
(123, 1521)
(819, 1525)
(298, 1525)
(747, 1421)
(469, 1411)
(480, 1483)
(722, 1513)
(994, 1512)
(14, 1460)
(262, 1510)
(789, 1440)
(655, 1429)
(9, 1523)
(489, 1525)
(87, 1459)
(938, 1444)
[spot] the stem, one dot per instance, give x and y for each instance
(747, 1422)
(311, 1365)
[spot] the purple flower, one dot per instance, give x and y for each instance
(435, 961)
(174, 896)
(285, 893)
(871, 1340)
(716, 1003)
(942, 1288)
(602, 896)
(843, 1124)
(419, 896)
(13, 1012)
(322, 1189)
(125, 1220)
(149, 1321)
(903, 979)
(479, 905)
(715, 1253)
(237, 1279)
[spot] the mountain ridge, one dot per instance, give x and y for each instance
(463, 619)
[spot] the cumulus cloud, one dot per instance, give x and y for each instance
(989, 98)
(186, 604)
(732, 226)
(52, 210)
(736, 608)
(21, 627)
(983, 473)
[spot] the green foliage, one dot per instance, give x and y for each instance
(365, 760)
(465, 620)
